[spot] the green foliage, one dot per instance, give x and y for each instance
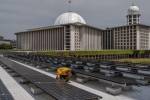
(139, 60)
(91, 53)
(84, 53)
(6, 46)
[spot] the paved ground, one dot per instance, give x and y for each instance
(13, 87)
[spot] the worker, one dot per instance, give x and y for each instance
(63, 73)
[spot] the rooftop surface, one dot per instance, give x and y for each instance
(17, 92)
(138, 93)
(4, 93)
(49, 85)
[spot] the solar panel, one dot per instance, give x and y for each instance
(58, 90)
(120, 80)
(66, 92)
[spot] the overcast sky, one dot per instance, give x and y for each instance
(18, 15)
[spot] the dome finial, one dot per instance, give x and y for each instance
(133, 2)
(69, 6)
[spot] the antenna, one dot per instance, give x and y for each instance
(69, 1)
(133, 2)
(69, 5)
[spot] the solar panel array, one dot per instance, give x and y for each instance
(4, 93)
(120, 80)
(99, 70)
(58, 90)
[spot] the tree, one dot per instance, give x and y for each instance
(6, 46)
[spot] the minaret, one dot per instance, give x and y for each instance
(133, 16)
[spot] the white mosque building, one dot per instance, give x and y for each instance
(71, 32)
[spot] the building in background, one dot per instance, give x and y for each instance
(6, 41)
(70, 32)
(1, 37)
(133, 36)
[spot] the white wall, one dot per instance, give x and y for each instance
(4, 42)
(90, 38)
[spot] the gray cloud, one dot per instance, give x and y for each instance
(18, 15)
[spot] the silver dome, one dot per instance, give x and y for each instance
(134, 10)
(69, 17)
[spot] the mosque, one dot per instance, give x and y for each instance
(71, 32)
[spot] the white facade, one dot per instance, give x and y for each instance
(41, 39)
(90, 39)
(63, 37)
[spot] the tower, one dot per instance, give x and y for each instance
(133, 16)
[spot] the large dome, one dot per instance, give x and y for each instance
(69, 17)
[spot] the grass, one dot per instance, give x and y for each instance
(140, 60)
(87, 53)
